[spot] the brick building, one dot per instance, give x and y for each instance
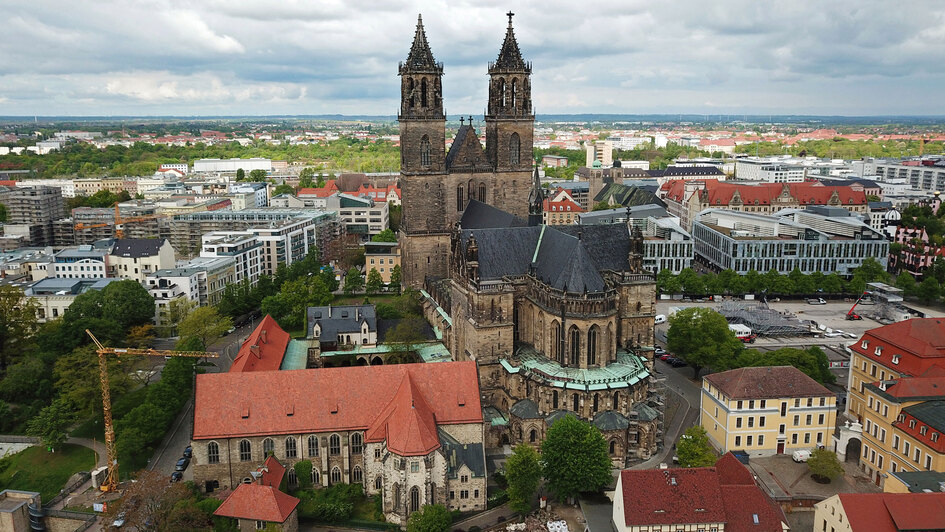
(437, 186)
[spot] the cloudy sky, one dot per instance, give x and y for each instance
(236, 57)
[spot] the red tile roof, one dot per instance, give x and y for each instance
(7, 183)
(766, 382)
(258, 503)
(407, 423)
(726, 493)
(920, 342)
(892, 512)
(323, 192)
(272, 472)
(234, 404)
(914, 387)
(719, 193)
(264, 349)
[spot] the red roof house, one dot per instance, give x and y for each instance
(264, 349)
(255, 502)
(917, 345)
(722, 495)
(882, 512)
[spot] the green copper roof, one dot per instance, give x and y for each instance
(626, 371)
(429, 352)
(494, 417)
(296, 355)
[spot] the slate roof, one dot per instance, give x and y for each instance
(610, 420)
(687, 171)
(258, 503)
(469, 454)
(628, 196)
(645, 412)
(562, 262)
(229, 405)
(480, 215)
(340, 319)
(137, 247)
(525, 409)
(766, 382)
(892, 512)
(932, 413)
(607, 244)
(556, 415)
(919, 481)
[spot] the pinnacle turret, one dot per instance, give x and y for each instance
(420, 57)
(510, 57)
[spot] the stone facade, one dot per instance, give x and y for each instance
(437, 186)
(291, 524)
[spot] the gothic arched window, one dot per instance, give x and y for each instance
(423, 92)
(596, 402)
(356, 443)
(357, 475)
(291, 447)
(515, 149)
(616, 400)
(425, 151)
(312, 446)
(501, 92)
(316, 477)
(269, 447)
(556, 341)
(577, 403)
(513, 92)
(378, 482)
(213, 453)
(414, 499)
(613, 446)
(291, 478)
(245, 451)
(575, 341)
(335, 475)
(334, 445)
(410, 92)
(482, 192)
(592, 336)
(460, 198)
(554, 399)
(532, 436)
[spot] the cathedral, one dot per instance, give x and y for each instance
(559, 320)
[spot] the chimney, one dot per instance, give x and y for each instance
(262, 336)
(254, 349)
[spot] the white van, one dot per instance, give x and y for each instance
(660, 318)
(801, 455)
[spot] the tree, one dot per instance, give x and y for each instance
(17, 323)
(430, 518)
(149, 502)
(386, 235)
(303, 472)
(374, 282)
(205, 324)
(288, 306)
(140, 336)
(178, 309)
(395, 274)
(3, 213)
(929, 290)
(694, 449)
(257, 175)
(353, 281)
(240, 174)
(574, 458)
(601, 206)
(77, 379)
(523, 473)
(52, 424)
(823, 464)
(283, 189)
(127, 303)
(906, 282)
(812, 361)
(701, 337)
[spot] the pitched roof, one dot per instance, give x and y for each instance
(323, 192)
(264, 349)
(272, 472)
(931, 413)
(258, 503)
(611, 420)
(480, 215)
(914, 387)
(420, 57)
(407, 424)
(236, 404)
(766, 382)
(726, 493)
(525, 409)
(137, 247)
(333, 320)
(892, 512)
(920, 342)
(627, 195)
(510, 57)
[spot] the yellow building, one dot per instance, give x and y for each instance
(880, 512)
(383, 257)
(766, 410)
(897, 397)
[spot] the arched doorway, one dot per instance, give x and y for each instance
(853, 450)
(376, 361)
(362, 361)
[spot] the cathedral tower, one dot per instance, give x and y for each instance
(509, 119)
(422, 122)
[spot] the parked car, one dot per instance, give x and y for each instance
(677, 362)
(660, 318)
(801, 455)
(182, 464)
(816, 301)
(176, 476)
(659, 351)
(665, 357)
(188, 452)
(119, 520)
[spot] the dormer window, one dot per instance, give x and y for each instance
(878, 351)
(934, 436)
(911, 423)
(895, 359)
(923, 430)
(864, 344)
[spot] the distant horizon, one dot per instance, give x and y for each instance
(174, 58)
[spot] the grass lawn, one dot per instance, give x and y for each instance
(364, 509)
(34, 469)
(357, 299)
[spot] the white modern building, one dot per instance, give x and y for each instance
(54, 296)
(136, 258)
(259, 191)
(232, 165)
(84, 262)
(768, 170)
(819, 239)
(241, 246)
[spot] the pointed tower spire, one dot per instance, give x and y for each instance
(535, 200)
(510, 57)
(420, 57)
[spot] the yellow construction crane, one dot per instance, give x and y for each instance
(111, 481)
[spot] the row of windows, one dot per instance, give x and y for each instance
(290, 447)
(381, 261)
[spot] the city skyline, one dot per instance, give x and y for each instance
(216, 58)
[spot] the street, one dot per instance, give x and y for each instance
(172, 447)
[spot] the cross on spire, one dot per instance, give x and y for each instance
(510, 15)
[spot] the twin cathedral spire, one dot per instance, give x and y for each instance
(509, 109)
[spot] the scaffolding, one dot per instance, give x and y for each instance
(763, 320)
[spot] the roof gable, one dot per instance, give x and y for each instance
(766, 382)
(407, 423)
(258, 503)
(466, 151)
(264, 349)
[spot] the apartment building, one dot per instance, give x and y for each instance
(560, 209)
(33, 210)
(54, 295)
(766, 410)
(768, 170)
(811, 240)
(896, 396)
(136, 258)
(922, 174)
(242, 246)
(83, 262)
(383, 257)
